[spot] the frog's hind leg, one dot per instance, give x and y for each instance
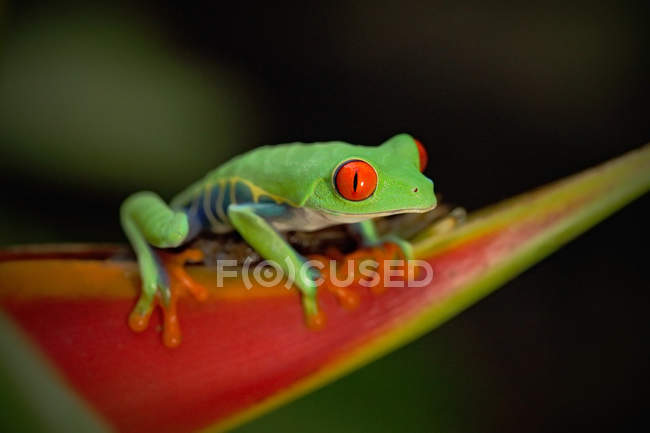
(147, 222)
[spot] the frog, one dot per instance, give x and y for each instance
(266, 192)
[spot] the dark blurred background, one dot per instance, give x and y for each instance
(100, 99)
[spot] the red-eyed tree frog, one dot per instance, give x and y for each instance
(274, 189)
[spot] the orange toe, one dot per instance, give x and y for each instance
(315, 321)
(347, 297)
(171, 329)
(191, 255)
(180, 274)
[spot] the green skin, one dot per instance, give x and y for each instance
(270, 190)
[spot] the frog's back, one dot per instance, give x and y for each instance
(288, 171)
(284, 172)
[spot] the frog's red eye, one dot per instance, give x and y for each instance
(424, 158)
(355, 180)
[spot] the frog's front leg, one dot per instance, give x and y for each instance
(250, 220)
(370, 238)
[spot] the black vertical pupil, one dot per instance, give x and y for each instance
(356, 181)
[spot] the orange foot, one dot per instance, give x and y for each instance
(378, 256)
(348, 273)
(179, 283)
(347, 297)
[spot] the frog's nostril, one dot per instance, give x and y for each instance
(415, 189)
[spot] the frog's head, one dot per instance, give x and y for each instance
(365, 182)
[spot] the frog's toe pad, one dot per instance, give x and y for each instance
(138, 322)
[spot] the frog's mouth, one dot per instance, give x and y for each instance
(307, 219)
(345, 216)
